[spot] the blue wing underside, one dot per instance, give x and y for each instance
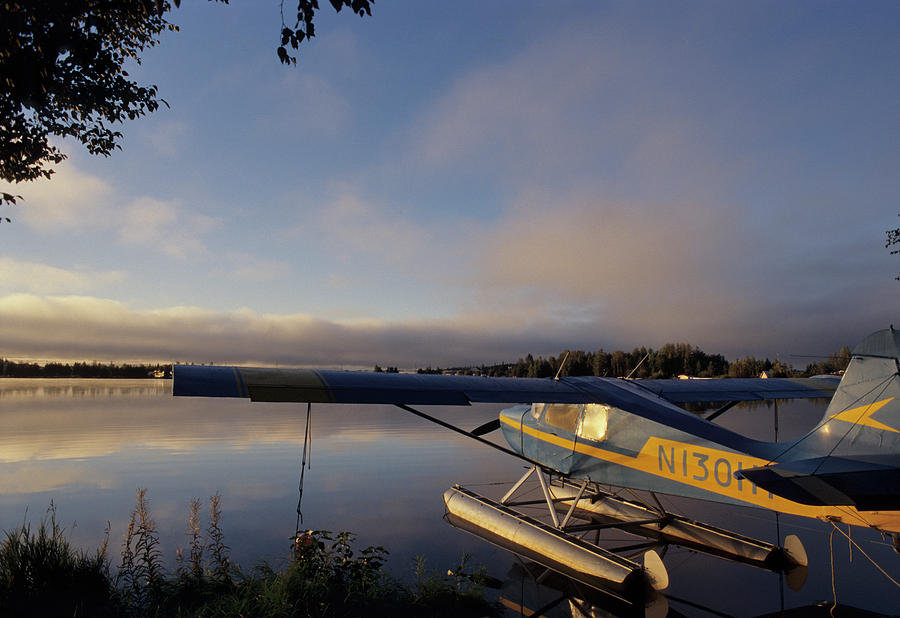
(358, 387)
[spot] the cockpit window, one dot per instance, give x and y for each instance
(593, 422)
(562, 415)
(536, 409)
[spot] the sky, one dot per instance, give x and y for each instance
(449, 183)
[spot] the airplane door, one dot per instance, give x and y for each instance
(553, 442)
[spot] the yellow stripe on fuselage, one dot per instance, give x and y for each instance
(711, 469)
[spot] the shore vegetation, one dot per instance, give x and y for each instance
(42, 574)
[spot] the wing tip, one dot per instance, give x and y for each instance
(205, 381)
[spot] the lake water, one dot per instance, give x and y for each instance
(87, 445)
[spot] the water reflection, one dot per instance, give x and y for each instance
(18, 389)
(530, 590)
(88, 444)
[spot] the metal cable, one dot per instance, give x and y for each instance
(307, 447)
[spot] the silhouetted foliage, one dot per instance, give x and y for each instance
(746, 367)
(13, 369)
(893, 238)
(303, 27)
(62, 73)
(41, 574)
(835, 363)
(669, 361)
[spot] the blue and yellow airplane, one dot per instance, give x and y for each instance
(631, 433)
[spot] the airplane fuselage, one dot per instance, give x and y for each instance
(684, 456)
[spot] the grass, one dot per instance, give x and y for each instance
(41, 574)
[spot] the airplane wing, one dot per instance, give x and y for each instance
(326, 386)
(742, 389)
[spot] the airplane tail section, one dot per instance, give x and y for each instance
(864, 414)
(852, 457)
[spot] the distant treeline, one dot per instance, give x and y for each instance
(671, 360)
(12, 369)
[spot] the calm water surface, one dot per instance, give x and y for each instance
(87, 445)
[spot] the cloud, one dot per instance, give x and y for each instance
(164, 226)
(585, 268)
(74, 201)
(70, 200)
(72, 327)
(590, 247)
(630, 188)
(359, 228)
(45, 279)
(547, 111)
(80, 327)
(583, 252)
(646, 194)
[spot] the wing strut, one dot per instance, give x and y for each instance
(722, 410)
(468, 434)
(488, 427)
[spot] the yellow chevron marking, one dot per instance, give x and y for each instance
(863, 415)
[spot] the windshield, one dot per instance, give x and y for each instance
(593, 422)
(562, 415)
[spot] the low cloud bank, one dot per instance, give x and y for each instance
(81, 327)
(89, 328)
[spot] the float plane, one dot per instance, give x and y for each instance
(586, 433)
